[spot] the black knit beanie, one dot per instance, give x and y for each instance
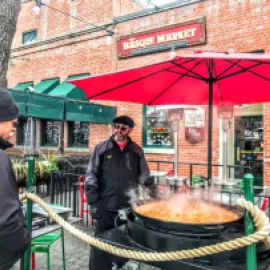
(8, 108)
(125, 120)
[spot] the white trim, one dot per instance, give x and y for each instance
(49, 147)
(74, 149)
(158, 151)
(220, 160)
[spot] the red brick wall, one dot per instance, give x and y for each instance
(241, 25)
(123, 7)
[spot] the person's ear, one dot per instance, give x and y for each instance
(130, 130)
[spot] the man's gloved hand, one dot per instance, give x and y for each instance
(151, 187)
(153, 192)
(93, 211)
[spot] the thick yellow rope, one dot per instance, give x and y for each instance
(260, 220)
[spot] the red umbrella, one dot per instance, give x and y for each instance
(198, 79)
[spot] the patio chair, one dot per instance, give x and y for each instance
(132, 265)
(43, 243)
(83, 200)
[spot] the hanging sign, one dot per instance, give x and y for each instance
(194, 125)
(175, 36)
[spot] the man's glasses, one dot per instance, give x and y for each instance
(122, 128)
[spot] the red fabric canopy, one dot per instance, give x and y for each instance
(238, 79)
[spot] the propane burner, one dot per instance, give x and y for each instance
(156, 239)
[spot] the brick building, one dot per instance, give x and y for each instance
(53, 45)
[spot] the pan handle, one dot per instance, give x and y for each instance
(214, 227)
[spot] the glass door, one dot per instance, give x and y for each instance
(249, 147)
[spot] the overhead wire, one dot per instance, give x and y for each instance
(39, 3)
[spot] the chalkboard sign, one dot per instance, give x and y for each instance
(194, 125)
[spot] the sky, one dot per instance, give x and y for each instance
(158, 2)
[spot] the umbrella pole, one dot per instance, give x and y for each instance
(210, 120)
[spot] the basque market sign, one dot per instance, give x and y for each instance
(181, 35)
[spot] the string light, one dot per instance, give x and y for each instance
(172, 53)
(36, 9)
(109, 38)
(150, 4)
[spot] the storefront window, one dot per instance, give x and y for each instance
(50, 133)
(78, 134)
(21, 130)
(157, 131)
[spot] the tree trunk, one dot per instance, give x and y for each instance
(9, 12)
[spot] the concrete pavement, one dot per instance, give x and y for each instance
(77, 254)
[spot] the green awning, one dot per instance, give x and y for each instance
(45, 86)
(78, 76)
(44, 106)
(79, 111)
(103, 114)
(20, 98)
(68, 90)
(88, 112)
(23, 86)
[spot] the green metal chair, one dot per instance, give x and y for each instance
(132, 266)
(43, 243)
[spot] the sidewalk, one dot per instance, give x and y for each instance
(77, 254)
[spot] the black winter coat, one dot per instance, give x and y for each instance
(112, 172)
(14, 236)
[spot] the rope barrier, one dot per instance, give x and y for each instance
(260, 220)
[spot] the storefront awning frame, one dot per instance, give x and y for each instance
(56, 108)
(20, 98)
(23, 86)
(70, 91)
(47, 85)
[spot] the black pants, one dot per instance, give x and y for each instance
(100, 260)
(7, 259)
(12, 247)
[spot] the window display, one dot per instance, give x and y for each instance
(50, 133)
(78, 134)
(157, 129)
(21, 130)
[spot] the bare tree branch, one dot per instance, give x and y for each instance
(9, 12)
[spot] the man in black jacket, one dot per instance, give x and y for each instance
(14, 236)
(117, 165)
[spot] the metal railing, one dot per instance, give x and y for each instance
(64, 189)
(190, 167)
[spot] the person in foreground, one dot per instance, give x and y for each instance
(14, 236)
(117, 165)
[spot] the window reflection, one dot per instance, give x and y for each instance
(50, 132)
(158, 132)
(78, 134)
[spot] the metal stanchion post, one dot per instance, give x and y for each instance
(251, 259)
(31, 166)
